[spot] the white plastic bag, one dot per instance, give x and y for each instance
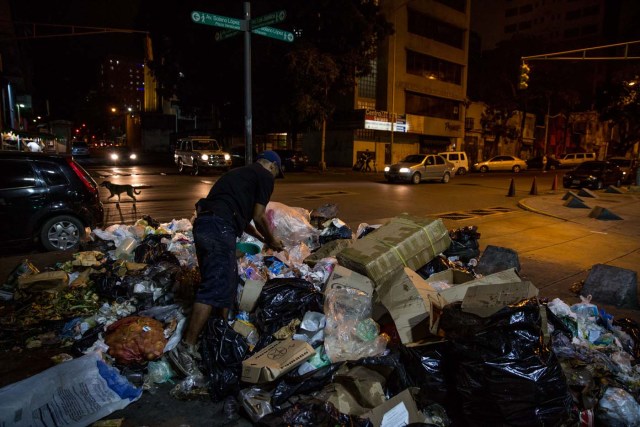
(74, 393)
(291, 225)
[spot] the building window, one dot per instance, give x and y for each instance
(367, 84)
(429, 27)
(469, 123)
(433, 68)
(511, 12)
(527, 8)
(511, 28)
(459, 5)
(425, 105)
(524, 25)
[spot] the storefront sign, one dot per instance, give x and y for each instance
(382, 120)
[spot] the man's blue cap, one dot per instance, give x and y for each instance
(272, 156)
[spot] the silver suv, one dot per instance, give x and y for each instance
(199, 153)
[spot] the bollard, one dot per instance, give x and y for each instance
(534, 188)
(554, 185)
(512, 189)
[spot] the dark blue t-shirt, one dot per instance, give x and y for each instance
(236, 193)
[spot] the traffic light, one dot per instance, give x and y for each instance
(524, 76)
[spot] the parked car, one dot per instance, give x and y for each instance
(501, 163)
(629, 168)
(536, 163)
(594, 174)
(292, 160)
(121, 155)
(80, 149)
(48, 198)
(459, 159)
(200, 153)
(416, 168)
(574, 159)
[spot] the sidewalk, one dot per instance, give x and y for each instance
(557, 245)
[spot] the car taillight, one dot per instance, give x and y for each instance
(82, 175)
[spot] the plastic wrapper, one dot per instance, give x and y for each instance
(223, 351)
(364, 229)
(504, 373)
(291, 225)
(152, 250)
(617, 408)
(325, 212)
(283, 300)
(159, 372)
(346, 310)
(256, 402)
(135, 340)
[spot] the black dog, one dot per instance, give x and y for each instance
(117, 189)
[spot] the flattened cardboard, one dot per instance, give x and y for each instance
(342, 277)
(487, 300)
(405, 241)
(400, 410)
(453, 277)
(49, 281)
(437, 300)
(275, 360)
(407, 303)
(250, 294)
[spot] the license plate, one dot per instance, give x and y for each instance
(575, 181)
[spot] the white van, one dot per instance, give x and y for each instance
(459, 159)
(574, 159)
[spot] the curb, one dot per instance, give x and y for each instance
(522, 205)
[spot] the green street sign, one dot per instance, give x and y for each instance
(215, 20)
(226, 34)
(268, 19)
(274, 33)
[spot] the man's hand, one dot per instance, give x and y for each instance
(276, 245)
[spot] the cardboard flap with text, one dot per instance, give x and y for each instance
(275, 360)
(489, 299)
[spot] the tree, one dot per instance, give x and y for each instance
(619, 105)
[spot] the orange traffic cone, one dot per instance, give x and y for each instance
(534, 188)
(512, 189)
(554, 186)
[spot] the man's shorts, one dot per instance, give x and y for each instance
(215, 241)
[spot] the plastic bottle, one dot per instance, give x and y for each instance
(126, 248)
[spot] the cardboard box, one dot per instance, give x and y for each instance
(438, 299)
(342, 277)
(405, 241)
(400, 410)
(275, 360)
(487, 300)
(452, 277)
(250, 294)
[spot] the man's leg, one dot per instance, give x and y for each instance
(199, 316)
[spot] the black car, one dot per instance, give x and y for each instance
(238, 156)
(292, 160)
(594, 174)
(536, 163)
(48, 198)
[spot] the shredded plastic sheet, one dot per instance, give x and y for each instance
(74, 394)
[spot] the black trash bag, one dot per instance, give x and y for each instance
(294, 383)
(285, 299)
(151, 221)
(336, 233)
(436, 265)
(427, 368)
(98, 244)
(109, 285)
(368, 229)
(631, 328)
(391, 367)
(153, 251)
(313, 413)
(223, 351)
(464, 243)
(504, 372)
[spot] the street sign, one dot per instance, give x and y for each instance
(216, 20)
(226, 34)
(274, 33)
(268, 19)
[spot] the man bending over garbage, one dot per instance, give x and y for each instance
(239, 196)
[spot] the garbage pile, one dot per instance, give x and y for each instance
(405, 322)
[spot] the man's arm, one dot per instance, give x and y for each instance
(260, 220)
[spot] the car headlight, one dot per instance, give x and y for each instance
(133, 156)
(205, 157)
(227, 157)
(387, 168)
(114, 156)
(404, 170)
